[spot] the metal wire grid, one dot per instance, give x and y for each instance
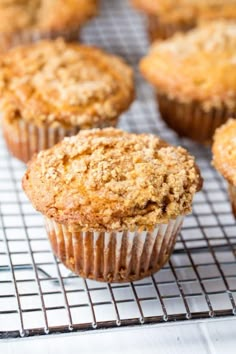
(38, 295)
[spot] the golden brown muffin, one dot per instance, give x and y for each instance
(23, 21)
(195, 78)
(166, 17)
(113, 201)
(224, 157)
(51, 89)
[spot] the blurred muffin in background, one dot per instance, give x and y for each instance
(194, 75)
(224, 157)
(51, 89)
(166, 17)
(24, 21)
(113, 202)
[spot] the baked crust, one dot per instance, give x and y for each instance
(158, 29)
(224, 151)
(198, 66)
(185, 11)
(112, 180)
(44, 15)
(53, 82)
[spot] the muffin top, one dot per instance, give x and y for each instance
(188, 10)
(199, 65)
(56, 82)
(224, 150)
(112, 180)
(44, 15)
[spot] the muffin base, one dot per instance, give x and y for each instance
(191, 120)
(232, 197)
(113, 256)
(158, 29)
(8, 41)
(24, 139)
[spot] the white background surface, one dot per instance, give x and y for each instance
(207, 337)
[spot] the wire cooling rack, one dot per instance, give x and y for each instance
(39, 296)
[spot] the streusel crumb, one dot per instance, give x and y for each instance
(224, 151)
(53, 82)
(112, 180)
(44, 15)
(188, 10)
(197, 66)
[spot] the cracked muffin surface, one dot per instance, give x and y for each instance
(112, 180)
(54, 82)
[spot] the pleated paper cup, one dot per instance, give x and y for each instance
(113, 256)
(191, 120)
(25, 139)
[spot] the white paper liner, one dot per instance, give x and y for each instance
(26, 139)
(114, 256)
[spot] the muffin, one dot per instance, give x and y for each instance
(51, 89)
(166, 17)
(113, 202)
(224, 157)
(24, 21)
(195, 79)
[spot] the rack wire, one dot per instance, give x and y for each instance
(38, 295)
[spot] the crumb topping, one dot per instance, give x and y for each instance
(112, 180)
(52, 81)
(224, 150)
(199, 65)
(188, 10)
(45, 15)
